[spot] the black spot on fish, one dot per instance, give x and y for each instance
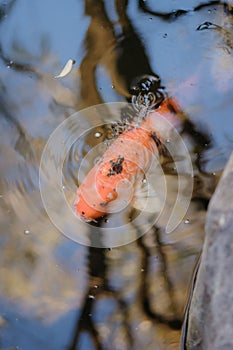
(116, 166)
(171, 108)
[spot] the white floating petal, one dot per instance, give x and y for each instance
(66, 70)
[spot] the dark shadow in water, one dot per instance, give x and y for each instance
(5, 8)
(173, 15)
(99, 37)
(21, 67)
(98, 287)
(173, 323)
(123, 54)
(132, 60)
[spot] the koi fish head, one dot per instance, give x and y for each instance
(148, 90)
(104, 185)
(85, 210)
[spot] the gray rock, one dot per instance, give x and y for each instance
(210, 318)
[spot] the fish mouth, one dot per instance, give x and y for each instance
(87, 219)
(83, 218)
(85, 212)
(147, 91)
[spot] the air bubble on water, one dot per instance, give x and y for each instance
(63, 187)
(96, 286)
(113, 86)
(142, 270)
(90, 296)
(97, 134)
(106, 220)
(187, 221)
(168, 140)
(10, 64)
(26, 232)
(144, 181)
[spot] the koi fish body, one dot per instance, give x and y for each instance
(111, 183)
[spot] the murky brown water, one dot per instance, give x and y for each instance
(58, 294)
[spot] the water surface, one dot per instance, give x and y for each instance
(55, 293)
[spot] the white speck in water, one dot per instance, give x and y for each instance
(106, 220)
(113, 86)
(168, 140)
(97, 135)
(26, 232)
(144, 181)
(187, 221)
(63, 187)
(96, 286)
(142, 270)
(90, 296)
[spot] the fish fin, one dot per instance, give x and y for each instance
(125, 194)
(149, 198)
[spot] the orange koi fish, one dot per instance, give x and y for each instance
(126, 160)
